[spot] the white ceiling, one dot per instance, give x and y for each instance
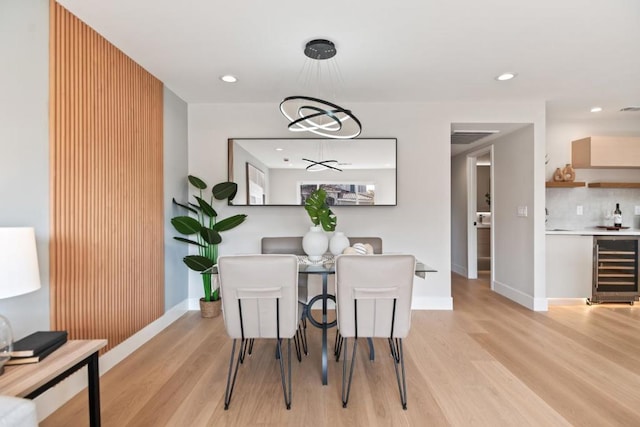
(574, 54)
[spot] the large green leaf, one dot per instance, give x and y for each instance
(193, 242)
(197, 262)
(206, 207)
(189, 208)
(229, 223)
(225, 190)
(197, 182)
(210, 236)
(319, 211)
(328, 221)
(186, 225)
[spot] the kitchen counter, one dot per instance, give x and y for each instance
(594, 232)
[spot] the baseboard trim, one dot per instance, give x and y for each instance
(459, 269)
(515, 295)
(566, 301)
(51, 400)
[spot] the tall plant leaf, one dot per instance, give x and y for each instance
(207, 209)
(193, 242)
(186, 225)
(197, 182)
(210, 236)
(229, 223)
(225, 190)
(189, 208)
(197, 262)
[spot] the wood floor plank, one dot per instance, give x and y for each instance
(489, 362)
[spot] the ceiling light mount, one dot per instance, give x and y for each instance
(312, 114)
(320, 49)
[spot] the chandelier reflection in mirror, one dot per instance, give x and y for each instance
(312, 114)
(321, 164)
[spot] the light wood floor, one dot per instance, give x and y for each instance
(489, 362)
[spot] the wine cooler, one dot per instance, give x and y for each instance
(615, 269)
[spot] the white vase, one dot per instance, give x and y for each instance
(338, 243)
(315, 243)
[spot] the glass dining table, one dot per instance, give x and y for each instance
(325, 269)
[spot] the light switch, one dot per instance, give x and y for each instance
(522, 210)
(636, 210)
(579, 210)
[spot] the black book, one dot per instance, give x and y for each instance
(38, 357)
(37, 342)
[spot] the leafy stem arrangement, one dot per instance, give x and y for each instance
(203, 228)
(319, 211)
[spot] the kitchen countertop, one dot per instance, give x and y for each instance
(593, 231)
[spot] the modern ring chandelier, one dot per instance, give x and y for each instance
(312, 114)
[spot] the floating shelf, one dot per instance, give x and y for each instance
(614, 184)
(564, 184)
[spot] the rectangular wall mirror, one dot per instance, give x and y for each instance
(282, 172)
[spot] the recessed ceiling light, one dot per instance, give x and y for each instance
(596, 109)
(279, 149)
(506, 76)
(228, 78)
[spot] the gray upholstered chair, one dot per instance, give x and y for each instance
(292, 245)
(374, 301)
(259, 300)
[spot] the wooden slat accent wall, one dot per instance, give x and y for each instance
(106, 248)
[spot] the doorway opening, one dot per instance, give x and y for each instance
(480, 259)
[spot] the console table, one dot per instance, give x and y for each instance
(31, 380)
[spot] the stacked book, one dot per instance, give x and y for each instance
(35, 347)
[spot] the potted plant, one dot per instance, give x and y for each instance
(315, 242)
(203, 229)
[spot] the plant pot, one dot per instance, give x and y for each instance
(209, 309)
(315, 243)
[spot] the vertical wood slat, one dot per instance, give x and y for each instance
(106, 248)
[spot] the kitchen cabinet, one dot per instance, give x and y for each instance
(569, 262)
(606, 152)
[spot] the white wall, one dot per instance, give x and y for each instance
(420, 224)
(175, 185)
(24, 146)
(513, 242)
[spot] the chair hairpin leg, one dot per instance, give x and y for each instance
(251, 345)
(296, 342)
(303, 338)
(232, 382)
(402, 385)
(345, 396)
(287, 396)
(243, 350)
(338, 345)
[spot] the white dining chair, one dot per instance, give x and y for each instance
(374, 301)
(259, 300)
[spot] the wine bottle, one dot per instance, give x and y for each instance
(617, 216)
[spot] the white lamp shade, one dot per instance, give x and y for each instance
(19, 273)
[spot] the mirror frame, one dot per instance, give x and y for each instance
(244, 172)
